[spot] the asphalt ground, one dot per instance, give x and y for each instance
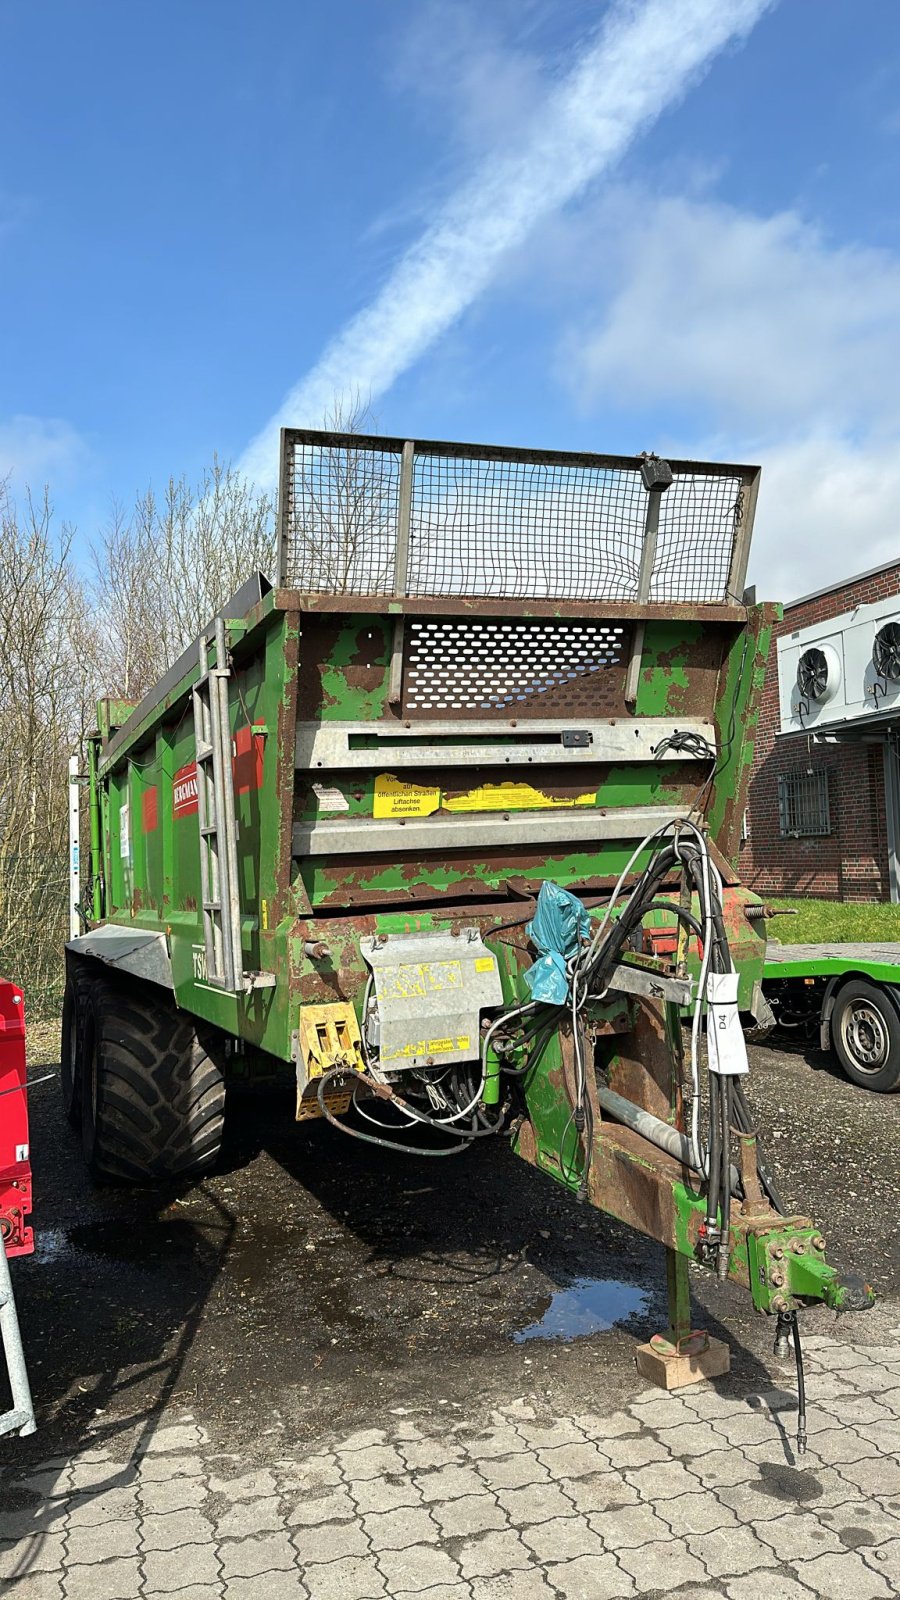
(311, 1284)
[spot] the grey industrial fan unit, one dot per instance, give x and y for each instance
(813, 673)
(886, 652)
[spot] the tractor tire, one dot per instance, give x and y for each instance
(153, 1093)
(76, 1001)
(865, 1033)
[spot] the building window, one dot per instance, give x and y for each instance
(803, 808)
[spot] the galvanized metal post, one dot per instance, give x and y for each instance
(97, 907)
(401, 565)
(281, 516)
(20, 1419)
(892, 811)
(645, 574)
(228, 822)
(74, 850)
(740, 553)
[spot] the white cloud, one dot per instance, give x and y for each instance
(827, 509)
(644, 59)
(34, 450)
(751, 321)
(760, 342)
(490, 72)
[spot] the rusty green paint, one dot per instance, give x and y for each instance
(737, 716)
(329, 884)
(664, 670)
(159, 888)
(787, 1269)
(342, 699)
(156, 883)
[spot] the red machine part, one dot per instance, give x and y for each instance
(15, 1168)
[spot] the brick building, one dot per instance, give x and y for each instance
(824, 808)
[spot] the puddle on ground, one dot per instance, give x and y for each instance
(589, 1305)
(50, 1244)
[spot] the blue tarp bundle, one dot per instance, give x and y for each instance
(559, 924)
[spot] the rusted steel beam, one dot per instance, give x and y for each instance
(494, 606)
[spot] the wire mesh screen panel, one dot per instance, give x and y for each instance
(470, 668)
(699, 517)
(489, 522)
(524, 529)
(339, 517)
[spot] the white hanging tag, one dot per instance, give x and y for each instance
(725, 1044)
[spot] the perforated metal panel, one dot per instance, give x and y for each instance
(469, 668)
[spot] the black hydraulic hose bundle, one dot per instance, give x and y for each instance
(728, 1109)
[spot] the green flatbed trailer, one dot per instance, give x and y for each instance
(319, 844)
(848, 994)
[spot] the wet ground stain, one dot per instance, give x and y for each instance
(589, 1305)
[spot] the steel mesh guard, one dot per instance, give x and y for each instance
(339, 516)
(490, 522)
(524, 529)
(699, 518)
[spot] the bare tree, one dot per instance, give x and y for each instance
(47, 651)
(159, 572)
(343, 509)
(163, 571)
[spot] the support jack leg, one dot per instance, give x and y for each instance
(682, 1354)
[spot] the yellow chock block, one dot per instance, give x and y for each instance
(308, 1105)
(672, 1365)
(328, 1037)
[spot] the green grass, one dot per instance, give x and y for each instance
(822, 921)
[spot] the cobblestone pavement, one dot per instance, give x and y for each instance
(694, 1493)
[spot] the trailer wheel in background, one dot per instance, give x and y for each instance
(153, 1094)
(76, 1001)
(865, 1032)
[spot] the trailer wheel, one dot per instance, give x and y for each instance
(152, 1093)
(74, 1021)
(865, 1031)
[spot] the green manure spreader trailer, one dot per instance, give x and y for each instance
(443, 828)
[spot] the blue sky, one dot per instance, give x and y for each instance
(198, 199)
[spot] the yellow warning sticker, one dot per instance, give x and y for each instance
(427, 1047)
(414, 982)
(484, 964)
(394, 798)
(412, 1048)
(513, 797)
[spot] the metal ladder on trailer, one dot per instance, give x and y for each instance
(219, 886)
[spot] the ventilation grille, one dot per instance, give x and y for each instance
(535, 669)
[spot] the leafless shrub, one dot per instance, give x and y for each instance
(163, 571)
(343, 510)
(46, 666)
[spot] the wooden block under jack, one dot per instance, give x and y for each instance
(694, 1358)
